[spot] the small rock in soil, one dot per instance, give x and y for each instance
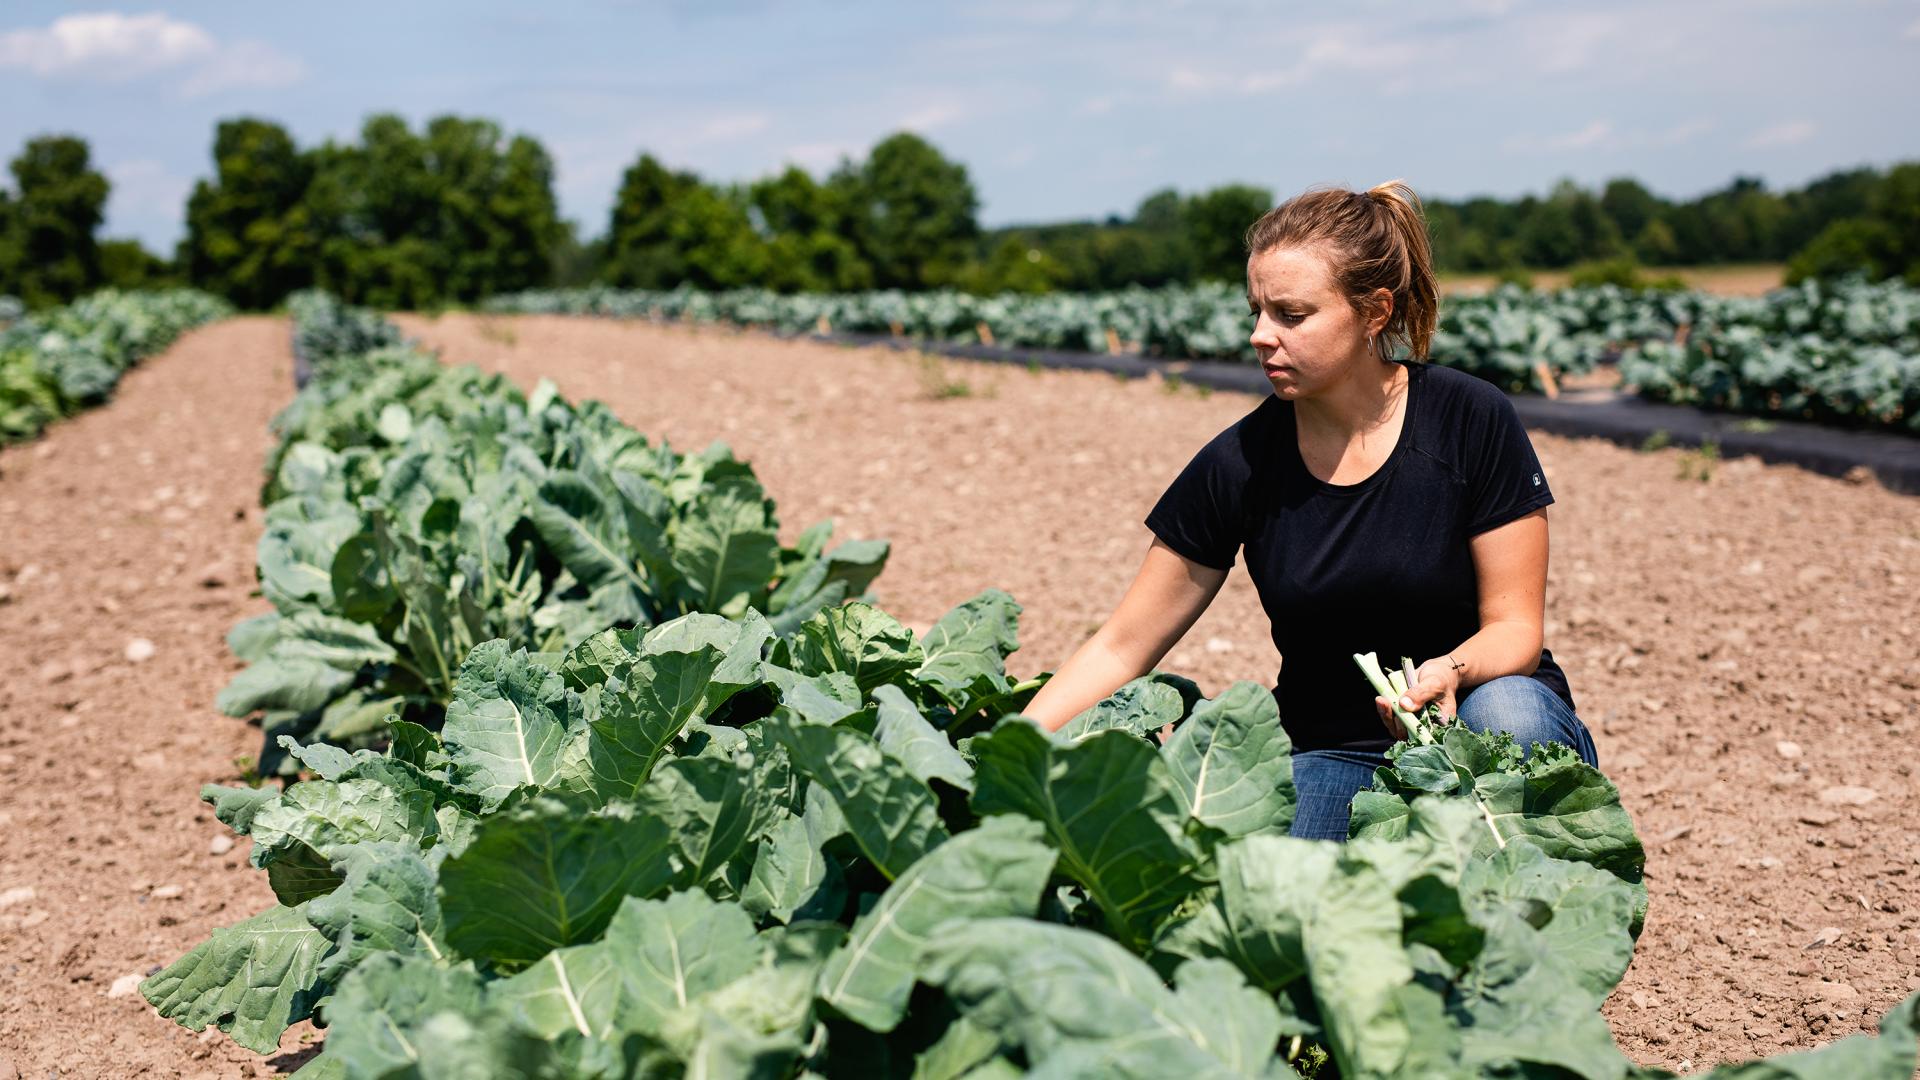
(1848, 795)
(220, 844)
(139, 650)
(1219, 645)
(167, 892)
(1826, 936)
(213, 576)
(1832, 993)
(1675, 833)
(124, 986)
(19, 895)
(1787, 749)
(1820, 818)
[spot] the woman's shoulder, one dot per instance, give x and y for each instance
(1457, 386)
(1459, 400)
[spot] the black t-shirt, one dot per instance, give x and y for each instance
(1380, 566)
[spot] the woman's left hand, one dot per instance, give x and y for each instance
(1435, 680)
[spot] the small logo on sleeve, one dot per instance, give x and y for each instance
(1536, 479)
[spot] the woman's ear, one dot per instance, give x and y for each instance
(1382, 310)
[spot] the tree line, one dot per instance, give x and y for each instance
(459, 210)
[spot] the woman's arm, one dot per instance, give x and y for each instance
(1166, 596)
(1511, 564)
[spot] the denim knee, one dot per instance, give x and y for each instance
(1526, 709)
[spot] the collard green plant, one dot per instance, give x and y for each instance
(416, 511)
(57, 362)
(711, 847)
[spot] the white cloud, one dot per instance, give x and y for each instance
(1327, 50)
(106, 44)
(1584, 139)
(112, 47)
(244, 64)
(933, 116)
(1783, 134)
(730, 126)
(1605, 135)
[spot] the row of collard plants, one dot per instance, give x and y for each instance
(1846, 353)
(750, 825)
(55, 363)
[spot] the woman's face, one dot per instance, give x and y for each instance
(1307, 334)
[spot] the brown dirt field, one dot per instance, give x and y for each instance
(1753, 280)
(1705, 625)
(136, 520)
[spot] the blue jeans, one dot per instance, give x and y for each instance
(1327, 780)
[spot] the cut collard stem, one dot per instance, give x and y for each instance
(1391, 686)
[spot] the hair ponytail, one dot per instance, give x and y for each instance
(1379, 241)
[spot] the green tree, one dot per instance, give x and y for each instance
(1216, 224)
(640, 247)
(126, 264)
(807, 226)
(48, 253)
(250, 233)
(452, 214)
(1630, 205)
(914, 213)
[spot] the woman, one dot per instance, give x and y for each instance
(1383, 505)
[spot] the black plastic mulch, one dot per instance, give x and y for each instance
(1616, 417)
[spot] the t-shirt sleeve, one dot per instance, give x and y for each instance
(1504, 478)
(1199, 515)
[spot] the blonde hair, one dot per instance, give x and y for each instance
(1378, 240)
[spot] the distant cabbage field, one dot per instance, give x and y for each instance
(1844, 354)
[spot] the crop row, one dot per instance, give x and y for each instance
(57, 362)
(1847, 353)
(749, 825)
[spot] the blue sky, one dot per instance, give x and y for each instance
(1059, 108)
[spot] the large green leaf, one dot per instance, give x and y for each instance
(294, 834)
(1081, 1005)
(670, 952)
(508, 725)
(890, 813)
(856, 638)
(1109, 808)
(966, 651)
(726, 547)
(548, 873)
(300, 685)
(585, 533)
(638, 721)
(251, 979)
(713, 808)
(924, 749)
(1232, 763)
(1560, 802)
(790, 877)
(386, 903)
(1142, 706)
(998, 869)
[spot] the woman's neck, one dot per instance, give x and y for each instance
(1357, 405)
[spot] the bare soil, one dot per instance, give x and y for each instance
(134, 522)
(1745, 280)
(1742, 646)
